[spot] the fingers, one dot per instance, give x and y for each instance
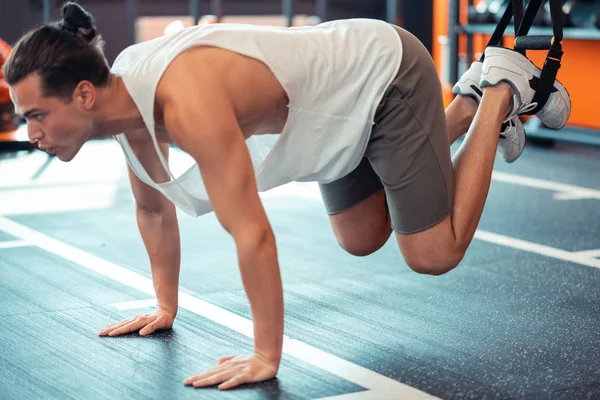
(233, 371)
(224, 359)
(214, 379)
(110, 327)
(158, 323)
(205, 374)
(128, 328)
(130, 325)
(233, 382)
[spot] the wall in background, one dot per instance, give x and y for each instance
(18, 16)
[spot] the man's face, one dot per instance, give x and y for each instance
(58, 127)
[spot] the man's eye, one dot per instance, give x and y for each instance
(38, 117)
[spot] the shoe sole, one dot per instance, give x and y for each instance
(475, 92)
(469, 94)
(564, 93)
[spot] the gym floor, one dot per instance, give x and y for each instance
(519, 318)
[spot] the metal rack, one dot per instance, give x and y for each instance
(533, 126)
(288, 9)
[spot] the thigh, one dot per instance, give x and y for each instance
(409, 148)
(345, 193)
(357, 210)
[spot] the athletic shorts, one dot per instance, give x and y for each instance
(408, 154)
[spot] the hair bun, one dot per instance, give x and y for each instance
(78, 21)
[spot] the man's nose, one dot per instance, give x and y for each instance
(34, 133)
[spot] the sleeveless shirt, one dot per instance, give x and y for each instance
(334, 74)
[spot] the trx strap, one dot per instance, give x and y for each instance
(545, 84)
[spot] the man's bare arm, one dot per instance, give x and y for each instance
(157, 223)
(203, 123)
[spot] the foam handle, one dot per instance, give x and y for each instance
(533, 42)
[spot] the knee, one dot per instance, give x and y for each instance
(434, 263)
(361, 246)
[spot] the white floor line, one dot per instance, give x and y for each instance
(313, 356)
(571, 196)
(564, 191)
(133, 305)
(507, 241)
(57, 199)
(588, 253)
(367, 395)
(9, 244)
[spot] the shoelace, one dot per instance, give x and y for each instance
(521, 110)
(525, 108)
(507, 126)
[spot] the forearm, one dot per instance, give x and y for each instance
(259, 267)
(160, 233)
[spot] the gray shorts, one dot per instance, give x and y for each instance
(408, 153)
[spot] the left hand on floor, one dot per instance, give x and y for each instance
(233, 371)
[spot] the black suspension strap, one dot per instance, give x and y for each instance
(523, 42)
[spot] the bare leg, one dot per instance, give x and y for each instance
(459, 116)
(441, 248)
(474, 161)
(365, 227)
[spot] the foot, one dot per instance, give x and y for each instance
(512, 135)
(512, 140)
(468, 84)
(505, 65)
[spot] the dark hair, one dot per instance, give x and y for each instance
(63, 53)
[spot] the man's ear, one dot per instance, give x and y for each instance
(85, 94)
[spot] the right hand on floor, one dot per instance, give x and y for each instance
(159, 319)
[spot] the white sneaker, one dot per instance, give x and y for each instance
(512, 135)
(512, 139)
(506, 65)
(468, 84)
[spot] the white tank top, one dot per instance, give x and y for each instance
(334, 74)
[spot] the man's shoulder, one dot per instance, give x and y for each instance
(190, 71)
(134, 54)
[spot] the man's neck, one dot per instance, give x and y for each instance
(116, 111)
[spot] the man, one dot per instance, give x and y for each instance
(355, 105)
